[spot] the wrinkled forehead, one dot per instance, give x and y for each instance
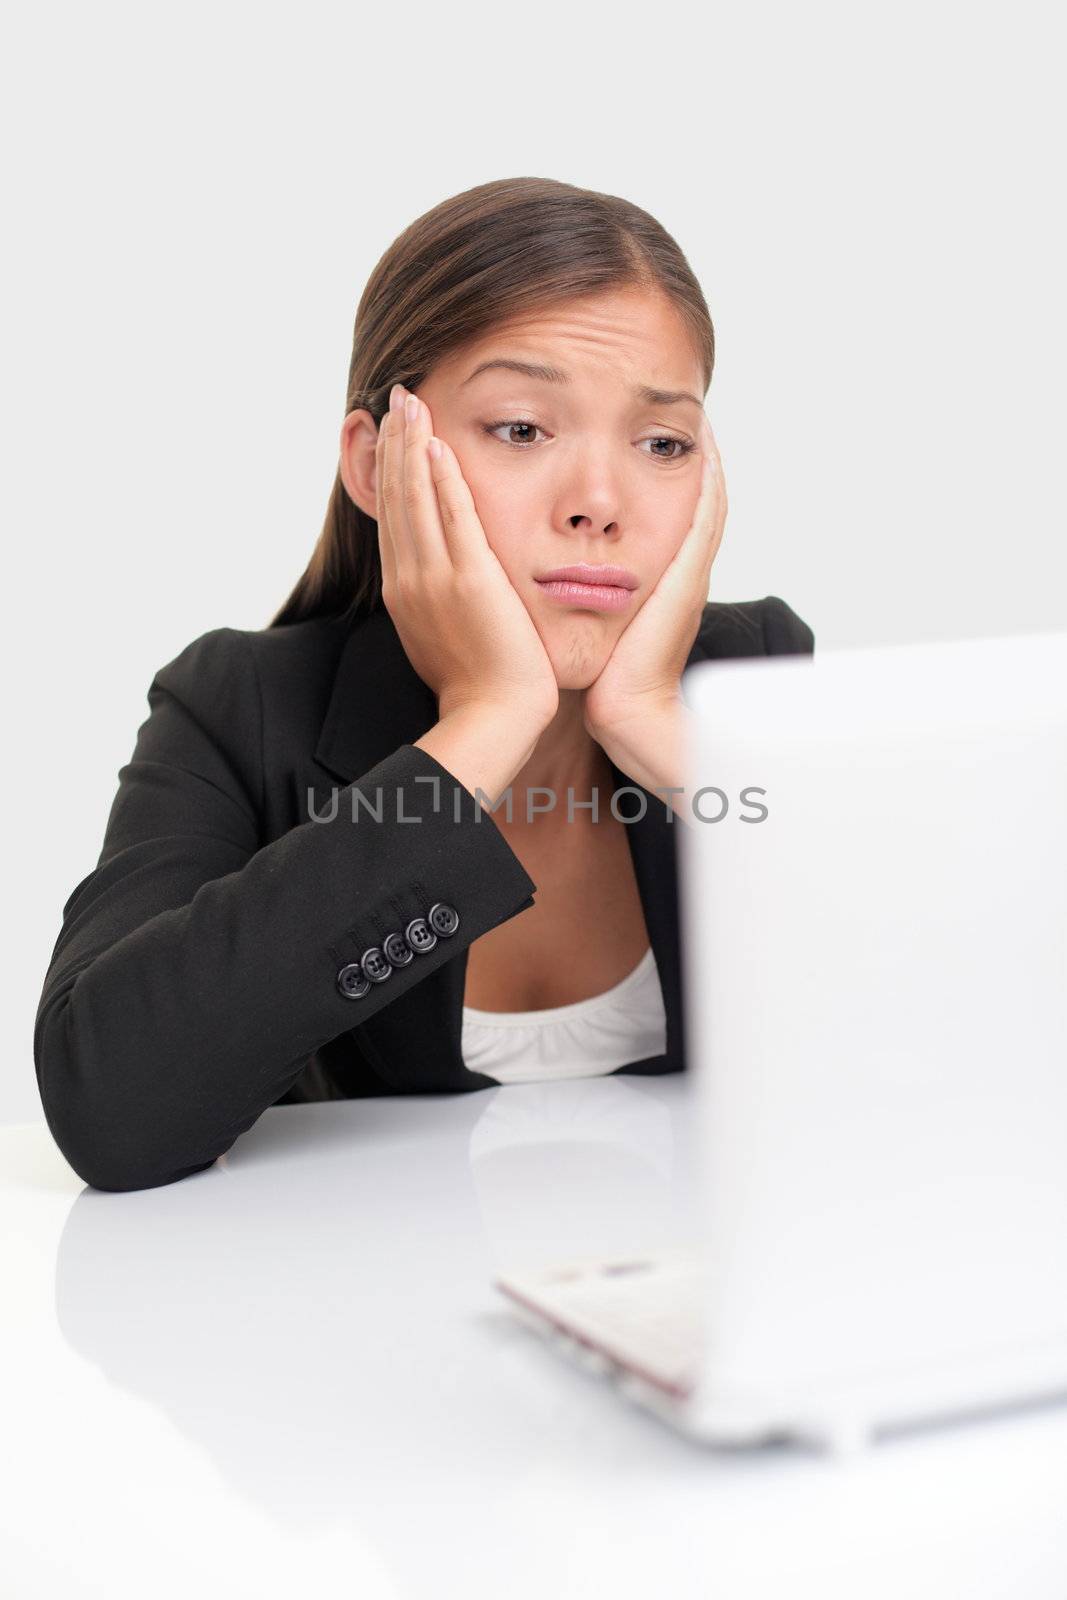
(626, 337)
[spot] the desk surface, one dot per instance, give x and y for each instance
(290, 1374)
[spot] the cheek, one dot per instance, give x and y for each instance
(506, 517)
(669, 522)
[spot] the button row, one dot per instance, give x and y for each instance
(377, 964)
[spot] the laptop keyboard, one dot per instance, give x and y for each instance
(643, 1312)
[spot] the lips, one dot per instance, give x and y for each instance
(589, 587)
(586, 572)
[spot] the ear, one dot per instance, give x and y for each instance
(358, 464)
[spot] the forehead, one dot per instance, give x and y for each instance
(632, 333)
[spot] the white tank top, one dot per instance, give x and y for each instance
(590, 1037)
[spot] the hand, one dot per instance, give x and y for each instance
(642, 676)
(461, 621)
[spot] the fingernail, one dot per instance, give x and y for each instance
(396, 397)
(411, 408)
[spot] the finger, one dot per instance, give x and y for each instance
(692, 553)
(711, 518)
(463, 531)
(723, 504)
(390, 479)
(386, 549)
(717, 514)
(721, 475)
(421, 510)
(714, 464)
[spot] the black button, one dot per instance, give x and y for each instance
(419, 936)
(397, 950)
(443, 919)
(351, 982)
(375, 966)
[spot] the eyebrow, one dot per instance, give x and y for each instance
(547, 374)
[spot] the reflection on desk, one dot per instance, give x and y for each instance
(304, 1344)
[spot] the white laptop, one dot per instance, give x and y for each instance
(875, 980)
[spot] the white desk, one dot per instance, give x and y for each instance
(289, 1375)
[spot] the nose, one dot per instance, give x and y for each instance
(582, 523)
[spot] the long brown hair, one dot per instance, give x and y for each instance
(496, 251)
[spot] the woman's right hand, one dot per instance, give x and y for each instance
(461, 621)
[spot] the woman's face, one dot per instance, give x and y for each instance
(583, 467)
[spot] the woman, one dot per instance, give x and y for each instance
(302, 892)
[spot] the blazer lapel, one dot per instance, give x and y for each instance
(378, 701)
(653, 850)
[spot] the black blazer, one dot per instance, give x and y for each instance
(195, 979)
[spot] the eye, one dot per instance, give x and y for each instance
(684, 446)
(514, 422)
(520, 424)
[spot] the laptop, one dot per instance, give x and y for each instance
(873, 903)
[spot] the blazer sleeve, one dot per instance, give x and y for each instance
(196, 966)
(784, 633)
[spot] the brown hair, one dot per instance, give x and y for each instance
(493, 252)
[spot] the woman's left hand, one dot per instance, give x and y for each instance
(641, 680)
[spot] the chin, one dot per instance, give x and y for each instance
(577, 662)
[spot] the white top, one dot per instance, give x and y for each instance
(590, 1037)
